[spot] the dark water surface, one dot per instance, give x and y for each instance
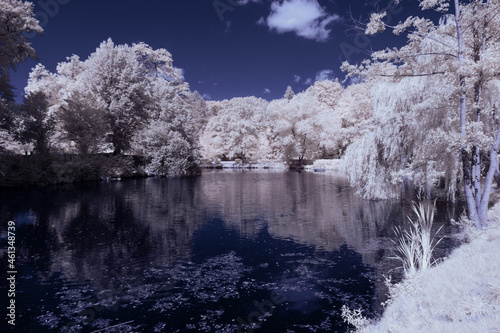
(224, 252)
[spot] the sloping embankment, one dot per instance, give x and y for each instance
(462, 294)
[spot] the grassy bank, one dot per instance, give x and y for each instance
(462, 294)
(37, 170)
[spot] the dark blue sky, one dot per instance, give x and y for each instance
(232, 57)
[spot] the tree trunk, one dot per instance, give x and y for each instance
(488, 182)
(497, 177)
(468, 177)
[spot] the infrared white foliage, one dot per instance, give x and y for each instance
(238, 129)
(138, 93)
(298, 126)
(354, 317)
(16, 19)
(435, 102)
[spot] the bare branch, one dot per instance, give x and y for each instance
(410, 75)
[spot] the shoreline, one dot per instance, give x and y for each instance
(460, 294)
(21, 171)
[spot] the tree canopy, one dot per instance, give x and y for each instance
(16, 19)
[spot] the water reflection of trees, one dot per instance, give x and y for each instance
(161, 215)
(156, 218)
(76, 230)
(318, 210)
(314, 209)
(106, 234)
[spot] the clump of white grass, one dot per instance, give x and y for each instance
(415, 246)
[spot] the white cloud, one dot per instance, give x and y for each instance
(296, 78)
(207, 97)
(266, 91)
(308, 81)
(306, 18)
(325, 74)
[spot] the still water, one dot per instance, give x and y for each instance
(229, 251)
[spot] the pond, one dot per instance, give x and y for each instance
(228, 251)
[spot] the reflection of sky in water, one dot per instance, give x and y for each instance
(229, 250)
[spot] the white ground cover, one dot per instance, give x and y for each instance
(461, 294)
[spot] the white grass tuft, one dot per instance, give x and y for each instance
(416, 245)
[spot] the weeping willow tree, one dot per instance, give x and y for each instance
(404, 146)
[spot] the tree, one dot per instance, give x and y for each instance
(289, 93)
(16, 18)
(36, 125)
(6, 123)
(461, 51)
(170, 137)
(156, 63)
(199, 112)
(130, 97)
(237, 130)
(59, 88)
(83, 124)
(116, 80)
(172, 151)
(306, 125)
(355, 112)
(403, 142)
(329, 93)
(6, 115)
